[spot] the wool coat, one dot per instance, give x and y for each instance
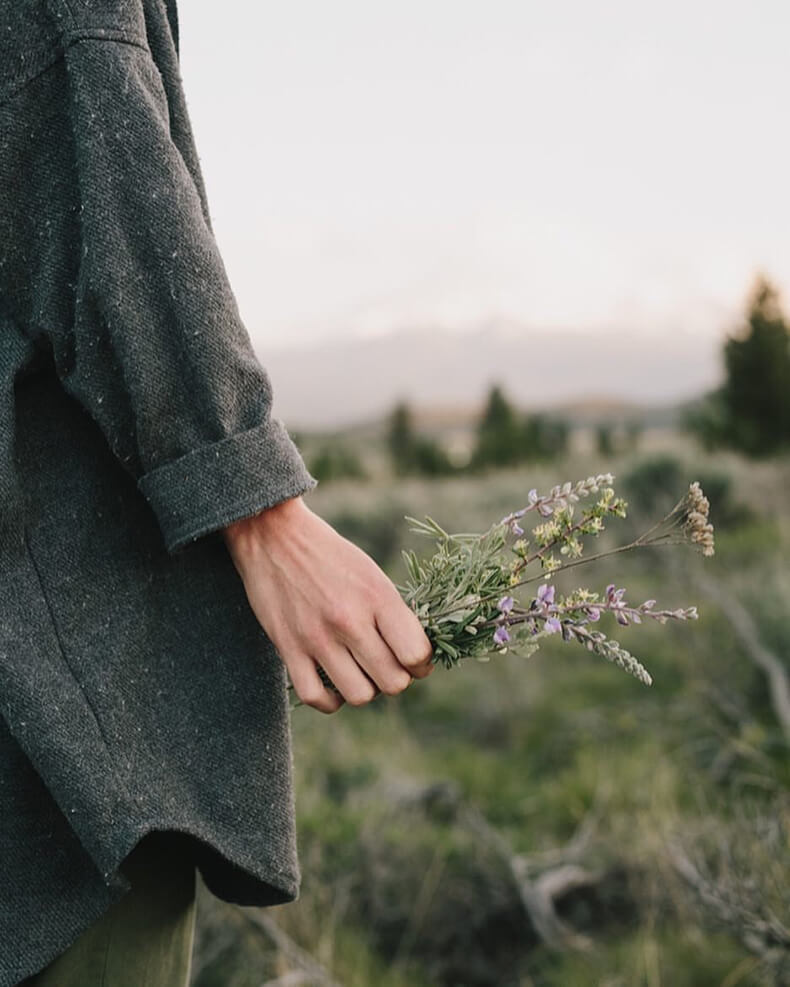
(138, 691)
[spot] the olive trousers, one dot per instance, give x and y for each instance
(143, 940)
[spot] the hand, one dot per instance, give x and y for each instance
(323, 601)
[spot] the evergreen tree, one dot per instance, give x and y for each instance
(543, 438)
(751, 411)
(412, 453)
(400, 439)
(604, 440)
(505, 438)
(756, 393)
(499, 434)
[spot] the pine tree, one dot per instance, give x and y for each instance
(400, 439)
(412, 453)
(756, 394)
(751, 410)
(499, 439)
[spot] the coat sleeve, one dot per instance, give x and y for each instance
(156, 350)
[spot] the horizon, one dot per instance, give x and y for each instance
(344, 382)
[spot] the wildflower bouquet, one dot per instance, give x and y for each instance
(464, 593)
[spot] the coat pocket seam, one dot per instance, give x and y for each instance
(56, 631)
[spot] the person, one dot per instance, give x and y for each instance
(160, 570)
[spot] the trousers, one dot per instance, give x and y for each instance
(143, 940)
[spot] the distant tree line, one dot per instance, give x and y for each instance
(749, 412)
(502, 437)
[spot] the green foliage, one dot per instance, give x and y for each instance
(498, 433)
(462, 592)
(544, 439)
(400, 438)
(402, 887)
(414, 454)
(506, 439)
(429, 458)
(751, 411)
(335, 461)
(651, 484)
(604, 440)
(647, 958)
(633, 434)
(376, 531)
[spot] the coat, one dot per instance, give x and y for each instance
(138, 691)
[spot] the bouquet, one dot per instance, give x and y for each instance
(469, 594)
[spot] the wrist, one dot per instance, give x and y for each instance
(247, 535)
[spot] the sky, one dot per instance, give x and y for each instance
(373, 166)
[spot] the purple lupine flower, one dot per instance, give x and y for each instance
(506, 604)
(594, 613)
(546, 594)
(510, 520)
(614, 596)
(501, 635)
(553, 625)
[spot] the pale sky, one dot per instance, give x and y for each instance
(377, 165)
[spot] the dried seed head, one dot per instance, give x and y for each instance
(696, 523)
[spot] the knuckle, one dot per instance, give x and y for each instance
(396, 683)
(310, 694)
(427, 648)
(343, 619)
(422, 671)
(360, 695)
(420, 658)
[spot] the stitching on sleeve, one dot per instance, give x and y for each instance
(99, 33)
(19, 69)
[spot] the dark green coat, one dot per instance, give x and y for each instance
(137, 690)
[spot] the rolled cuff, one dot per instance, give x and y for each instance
(216, 484)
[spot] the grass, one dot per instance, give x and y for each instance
(399, 890)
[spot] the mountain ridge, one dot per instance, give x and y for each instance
(349, 380)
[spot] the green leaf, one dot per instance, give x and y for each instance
(448, 649)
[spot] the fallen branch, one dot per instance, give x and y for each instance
(763, 935)
(748, 635)
(560, 872)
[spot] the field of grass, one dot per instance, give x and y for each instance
(551, 821)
